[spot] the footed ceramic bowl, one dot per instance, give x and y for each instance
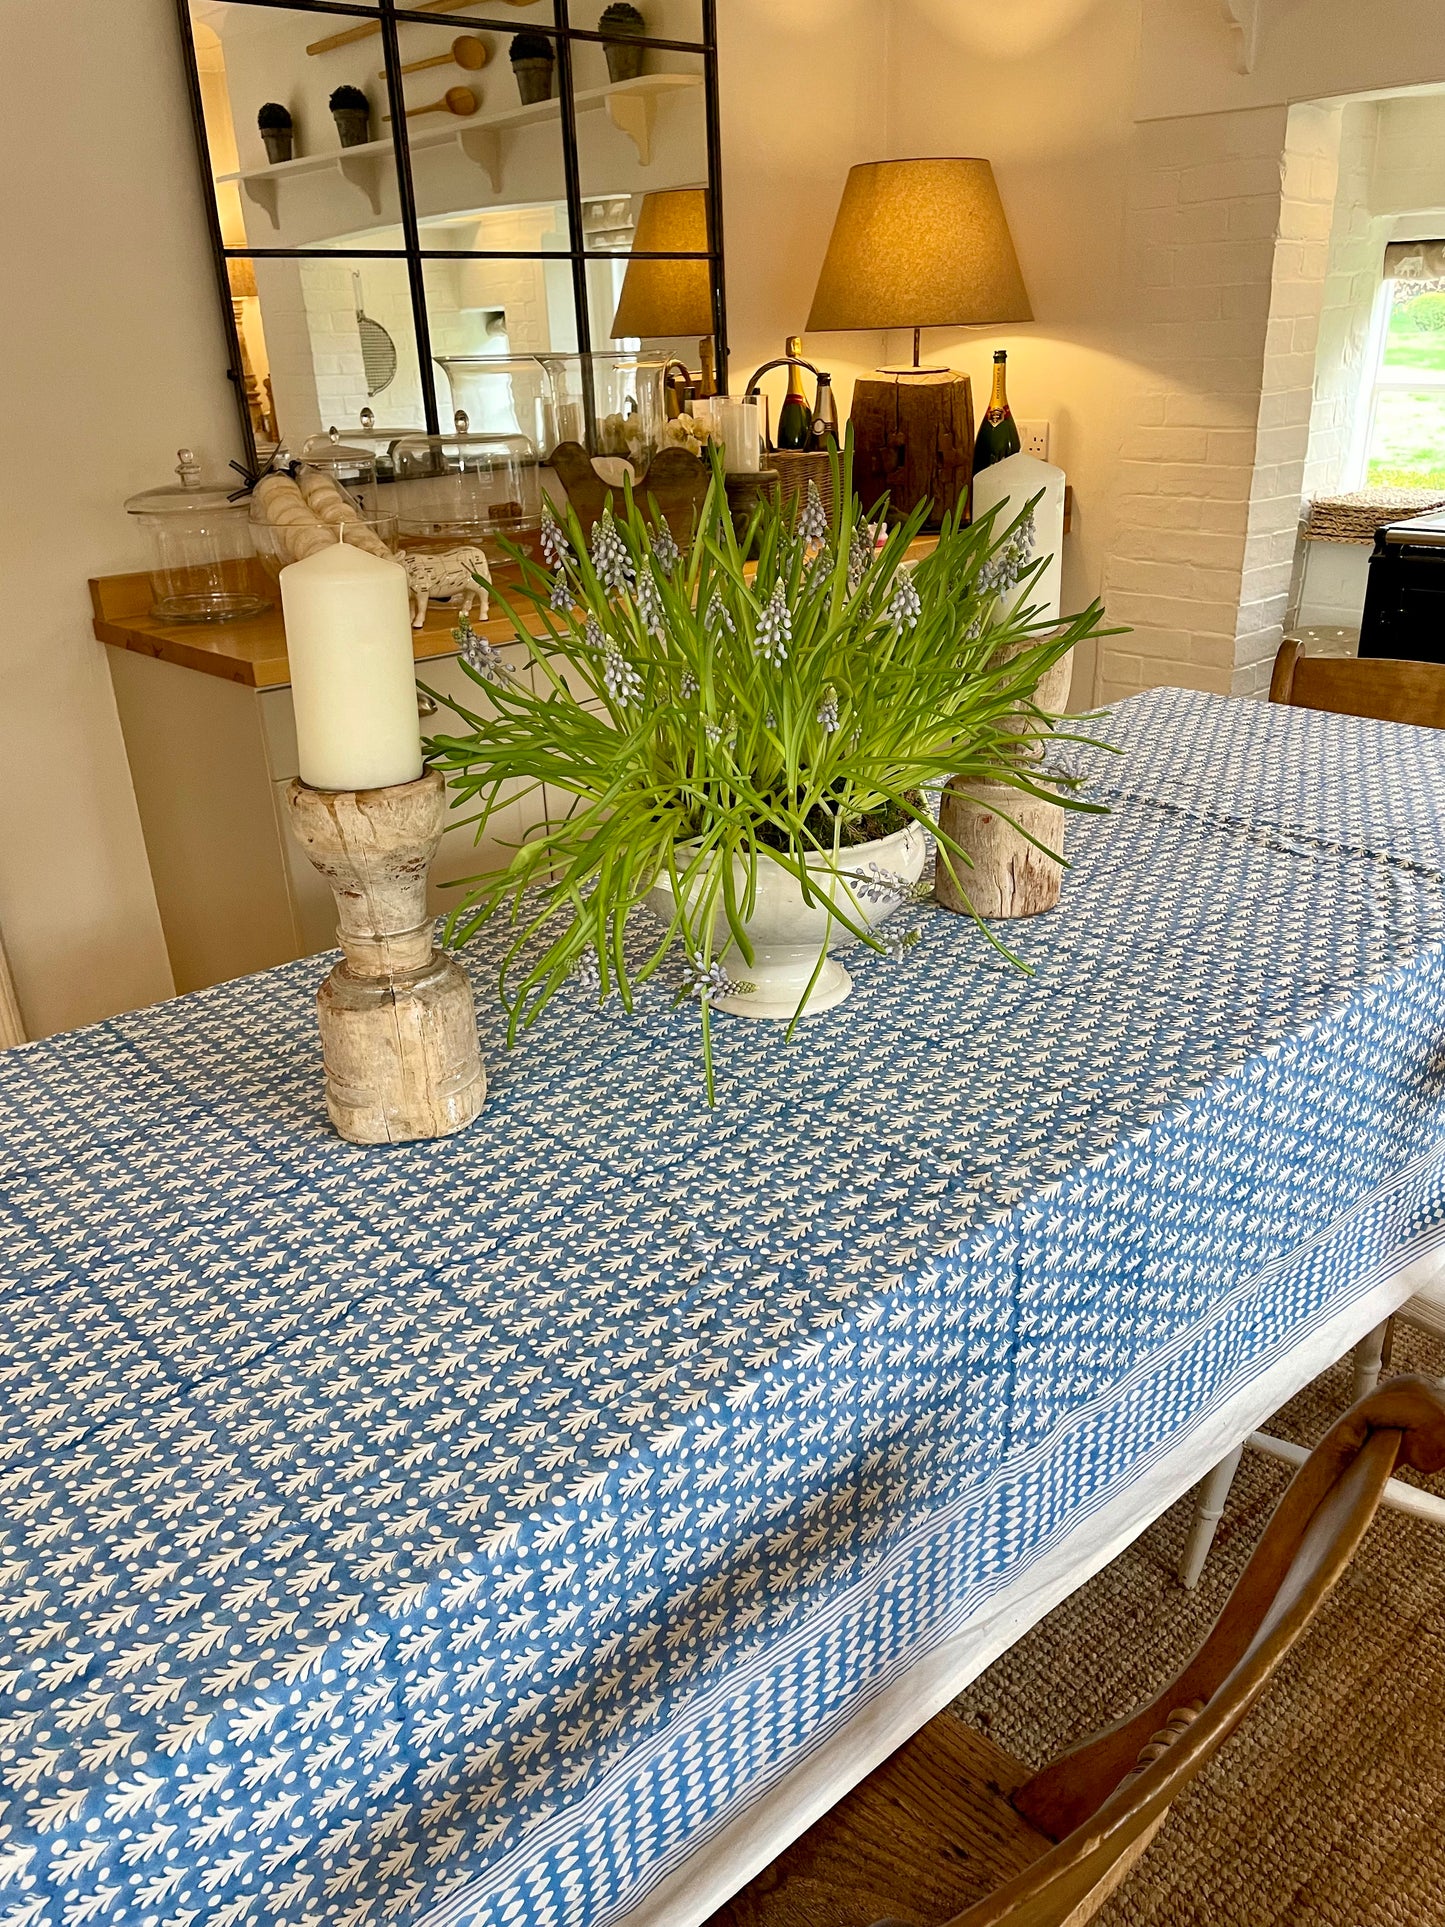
(788, 934)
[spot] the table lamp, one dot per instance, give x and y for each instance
(918, 244)
(670, 297)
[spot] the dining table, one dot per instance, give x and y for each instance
(540, 1526)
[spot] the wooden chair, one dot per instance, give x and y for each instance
(952, 1828)
(1378, 686)
(1391, 692)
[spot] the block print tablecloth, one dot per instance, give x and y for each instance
(456, 1532)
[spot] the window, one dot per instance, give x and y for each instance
(398, 190)
(1406, 440)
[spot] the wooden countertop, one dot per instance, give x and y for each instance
(251, 652)
(254, 652)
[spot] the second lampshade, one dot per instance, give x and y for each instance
(661, 298)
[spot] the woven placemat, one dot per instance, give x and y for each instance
(1354, 518)
(1327, 1808)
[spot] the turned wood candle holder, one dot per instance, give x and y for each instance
(398, 1027)
(1011, 876)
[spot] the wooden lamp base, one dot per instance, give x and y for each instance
(398, 1026)
(913, 442)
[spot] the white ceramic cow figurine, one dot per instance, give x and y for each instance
(441, 575)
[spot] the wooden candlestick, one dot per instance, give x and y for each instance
(1011, 877)
(398, 1027)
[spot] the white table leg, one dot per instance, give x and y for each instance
(1369, 1360)
(1209, 1497)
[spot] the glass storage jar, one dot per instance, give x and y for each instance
(465, 488)
(203, 562)
(352, 468)
(613, 404)
(504, 395)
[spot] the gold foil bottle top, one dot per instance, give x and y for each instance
(795, 346)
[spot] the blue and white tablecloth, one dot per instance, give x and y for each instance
(459, 1532)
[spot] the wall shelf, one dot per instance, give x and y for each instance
(631, 105)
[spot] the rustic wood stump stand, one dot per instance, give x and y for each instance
(1010, 876)
(398, 1027)
(913, 441)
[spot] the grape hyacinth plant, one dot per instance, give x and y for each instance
(694, 715)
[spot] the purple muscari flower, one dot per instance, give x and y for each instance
(595, 637)
(555, 545)
(874, 884)
(813, 522)
(687, 687)
(479, 654)
(713, 732)
(717, 616)
(609, 556)
(622, 681)
(1001, 570)
(649, 602)
(828, 710)
(904, 605)
(560, 600)
(775, 628)
(665, 551)
(707, 981)
(898, 947)
(587, 971)
(860, 556)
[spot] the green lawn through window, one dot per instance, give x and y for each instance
(1407, 443)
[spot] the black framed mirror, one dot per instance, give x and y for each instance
(391, 189)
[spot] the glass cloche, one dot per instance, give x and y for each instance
(464, 488)
(202, 565)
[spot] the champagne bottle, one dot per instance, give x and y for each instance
(825, 414)
(795, 418)
(998, 434)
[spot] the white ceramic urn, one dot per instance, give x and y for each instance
(788, 934)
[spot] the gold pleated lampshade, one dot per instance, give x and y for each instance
(919, 244)
(668, 297)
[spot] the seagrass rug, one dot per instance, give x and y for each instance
(1327, 1807)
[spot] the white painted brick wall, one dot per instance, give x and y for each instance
(1352, 279)
(1203, 216)
(1238, 280)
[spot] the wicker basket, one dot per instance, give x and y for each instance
(1354, 518)
(796, 468)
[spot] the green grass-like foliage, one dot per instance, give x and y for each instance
(701, 718)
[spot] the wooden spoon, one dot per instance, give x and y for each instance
(415, 6)
(456, 100)
(467, 51)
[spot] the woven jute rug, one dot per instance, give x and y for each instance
(1327, 1807)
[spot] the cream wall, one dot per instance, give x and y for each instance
(804, 95)
(1303, 50)
(1044, 89)
(111, 342)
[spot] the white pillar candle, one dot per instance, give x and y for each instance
(736, 426)
(353, 678)
(1013, 482)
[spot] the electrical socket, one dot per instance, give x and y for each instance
(1035, 439)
